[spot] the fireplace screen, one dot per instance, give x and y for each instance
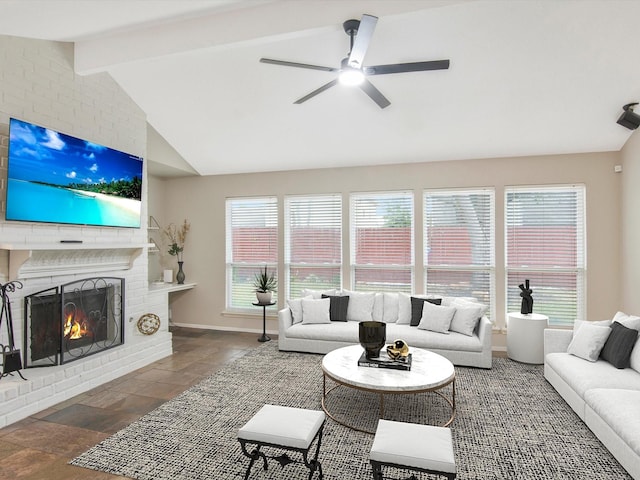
(72, 321)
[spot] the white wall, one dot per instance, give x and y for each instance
(202, 201)
(630, 239)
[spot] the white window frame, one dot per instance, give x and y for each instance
(322, 210)
(487, 266)
(580, 269)
(255, 265)
(377, 218)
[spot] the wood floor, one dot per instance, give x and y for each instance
(39, 447)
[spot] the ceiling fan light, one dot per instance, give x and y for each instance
(351, 77)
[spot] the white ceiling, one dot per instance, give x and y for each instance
(526, 77)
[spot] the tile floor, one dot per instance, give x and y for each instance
(39, 447)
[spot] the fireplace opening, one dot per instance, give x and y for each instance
(72, 321)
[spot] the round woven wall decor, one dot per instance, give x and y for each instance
(148, 324)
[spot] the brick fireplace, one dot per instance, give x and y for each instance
(53, 270)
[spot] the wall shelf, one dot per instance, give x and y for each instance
(35, 260)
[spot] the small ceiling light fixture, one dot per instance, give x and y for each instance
(628, 119)
(349, 75)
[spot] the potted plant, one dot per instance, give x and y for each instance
(265, 284)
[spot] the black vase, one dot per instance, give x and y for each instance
(372, 336)
(180, 275)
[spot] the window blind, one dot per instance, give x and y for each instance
(545, 243)
(313, 243)
(382, 249)
(459, 244)
(251, 243)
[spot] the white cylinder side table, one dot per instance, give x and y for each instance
(525, 337)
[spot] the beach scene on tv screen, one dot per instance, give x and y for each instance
(57, 178)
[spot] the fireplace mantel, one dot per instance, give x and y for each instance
(31, 260)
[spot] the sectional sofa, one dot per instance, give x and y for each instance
(596, 369)
(454, 327)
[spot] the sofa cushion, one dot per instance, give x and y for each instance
(404, 309)
(315, 311)
(391, 302)
(415, 337)
(337, 307)
(582, 375)
(588, 341)
(332, 332)
(377, 313)
(360, 307)
(620, 409)
(631, 321)
(317, 294)
(617, 349)
(436, 318)
(416, 308)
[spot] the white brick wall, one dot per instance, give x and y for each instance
(38, 85)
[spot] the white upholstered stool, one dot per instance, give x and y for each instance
(288, 428)
(422, 448)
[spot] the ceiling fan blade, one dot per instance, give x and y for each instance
(324, 87)
(362, 40)
(375, 94)
(298, 65)
(407, 67)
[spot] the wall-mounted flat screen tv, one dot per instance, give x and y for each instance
(57, 178)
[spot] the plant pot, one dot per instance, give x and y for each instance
(372, 336)
(264, 297)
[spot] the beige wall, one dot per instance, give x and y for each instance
(630, 238)
(202, 201)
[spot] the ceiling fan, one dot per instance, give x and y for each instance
(352, 71)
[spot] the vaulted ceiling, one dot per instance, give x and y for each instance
(526, 77)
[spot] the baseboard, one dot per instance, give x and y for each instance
(222, 329)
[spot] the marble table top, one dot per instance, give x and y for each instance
(428, 371)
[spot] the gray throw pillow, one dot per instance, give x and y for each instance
(617, 349)
(338, 307)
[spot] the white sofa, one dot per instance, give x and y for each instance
(606, 398)
(472, 349)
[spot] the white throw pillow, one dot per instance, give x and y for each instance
(315, 311)
(360, 307)
(629, 321)
(464, 302)
(436, 318)
(578, 323)
(404, 309)
(295, 305)
(465, 319)
(588, 341)
(391, 304)
(317, 294)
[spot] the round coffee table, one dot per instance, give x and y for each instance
(429, 372)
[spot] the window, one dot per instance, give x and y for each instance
(252, 243)
(545, 243)
(382, 242)
(313, 243)
(459, 244)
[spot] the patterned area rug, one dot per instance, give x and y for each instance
(510, 424)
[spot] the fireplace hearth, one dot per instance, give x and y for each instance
(73, 321)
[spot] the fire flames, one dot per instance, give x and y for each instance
(75, 325)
